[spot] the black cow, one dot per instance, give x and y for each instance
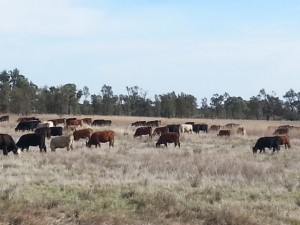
(46, 131)
(27, 125)
(266, 142)
(4, 118)
(101, 122)
(200, 127)
(32, 139)
(139, 123)
(56, 131)
(174, 128)
(8, 144)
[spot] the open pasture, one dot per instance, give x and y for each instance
(208, 180)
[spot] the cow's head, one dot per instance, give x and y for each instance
(254, 149)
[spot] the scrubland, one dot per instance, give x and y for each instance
(208, 180)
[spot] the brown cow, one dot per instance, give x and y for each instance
(241, 131)
(224, 133)
(87, 120)
(231, 125)
(139, 123)
(171, 137)
(214, 128)
(74, 122)
(82, 134)
(103, 137)
(160, 130)
(281, 131)
(284, 140)
(58, 121)
(143, 131)
(153, 123)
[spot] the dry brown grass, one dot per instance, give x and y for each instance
(209, 180)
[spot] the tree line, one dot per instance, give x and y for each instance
(18, 95)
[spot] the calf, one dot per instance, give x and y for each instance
(171, 137)
(65, 141)
(103, 137)
(7, 144)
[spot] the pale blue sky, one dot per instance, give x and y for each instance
(198, 47)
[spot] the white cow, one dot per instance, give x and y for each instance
(65, 141)
(186, 128)
(45, 124)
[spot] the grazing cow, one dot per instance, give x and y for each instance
(32, 139)
(45, 124)
(69, 119)
(153, 123)
(82, 134)
(139, 123)
(200, 127)
(101, 123)
(74, 122)
(7, 144)
(171, 137)
(215, 128)
(56, 131)
(186, 128)
(231, 125)
(27, 119)
(241, 131)
(58, 121)
(284, 140)
(225, 133)
(46, 131)
(281, 131)
(4, 118)
(173, 127)
(101, 137)
(266, 142)
(192, 123)
(160, 130)
(65, 141)
(27, 125)
(87, 120)
(143, 131)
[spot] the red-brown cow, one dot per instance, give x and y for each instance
(281, 131)
(171, 137)
(74, 122)
(224, 133)
(143, 131)
(103, 137)
(82, 134)
(215, 128)
(284, 140)
(160, 130)
(58, 121)
(87, 120)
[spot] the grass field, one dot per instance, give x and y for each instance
(209, 180)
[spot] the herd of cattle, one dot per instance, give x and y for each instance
(54, 129)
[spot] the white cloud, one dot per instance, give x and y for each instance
(46, 17)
